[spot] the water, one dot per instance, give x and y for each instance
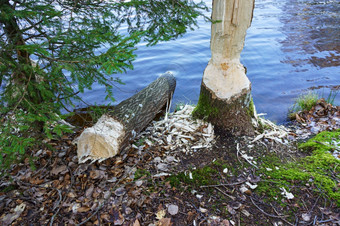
(292, 47)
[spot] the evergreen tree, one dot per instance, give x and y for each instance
(51, 50)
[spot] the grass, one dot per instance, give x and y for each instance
(320, 170)
(305, 102)
(331, 96)
(194, 178)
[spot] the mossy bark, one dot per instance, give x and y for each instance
(233, 115)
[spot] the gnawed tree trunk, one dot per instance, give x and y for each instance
(225, 98)
(114, 130)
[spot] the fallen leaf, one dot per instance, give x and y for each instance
(136, 223)
(252, 186)
(225, 223)
(160, 214)
(9, 218)
(120, 191)
(191, 216)
(36, 181)
(89, 191)
(97, 174)
(245, 212)
(118, 218)
(165, 222)
(59, 170)
(83, 209)
(231, 210)
(203, 210)
(306, 216)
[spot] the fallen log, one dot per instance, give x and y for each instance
(116, 129)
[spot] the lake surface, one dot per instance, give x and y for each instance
(292, 47)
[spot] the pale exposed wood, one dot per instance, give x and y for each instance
(224, 81)
(114, 130)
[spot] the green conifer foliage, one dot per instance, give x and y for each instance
(51, 50)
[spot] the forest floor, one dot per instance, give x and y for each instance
(272, 178)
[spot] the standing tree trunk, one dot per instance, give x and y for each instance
(24, 77)
(225, 99)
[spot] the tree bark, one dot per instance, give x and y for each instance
(225, 98)
(24, 76)
(115, 130)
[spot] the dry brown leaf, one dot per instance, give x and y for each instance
(165, 222)
(9, 218)
(225, 223)
(89, 191)
(118, 218)
(59, 170)
(136, 223)
(83, 209)
(36, 181)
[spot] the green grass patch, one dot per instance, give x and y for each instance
(198, 177)
(320, 170)
(323, 142)
(305, 102)
(142, 172)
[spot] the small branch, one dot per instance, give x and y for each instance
(58, 204)
(232, 197)
(282, 216)
(267, 214)
(238, 149)
(314, 204)
(221, 185)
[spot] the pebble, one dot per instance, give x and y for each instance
(173, 209)
(157, 159)
(139, 183)
(170, 159)
(306, 217)
(162, 167)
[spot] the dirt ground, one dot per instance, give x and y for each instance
(149, 185)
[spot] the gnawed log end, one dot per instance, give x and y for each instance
(113, 131)
(101, 141)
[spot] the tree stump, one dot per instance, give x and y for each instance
(225, 98)
(116, 129)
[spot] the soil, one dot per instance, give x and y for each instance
(134, 188)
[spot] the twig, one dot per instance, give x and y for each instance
(238, 158)
(95, 212)
(221, 185)
(282, 216)
(267, 214)
(315, 220)
(238, 148)
(20, 183)
(314, 204)
(325, 221)
(56, 213)
(232, 197)
(98, 218)
(58, 204)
